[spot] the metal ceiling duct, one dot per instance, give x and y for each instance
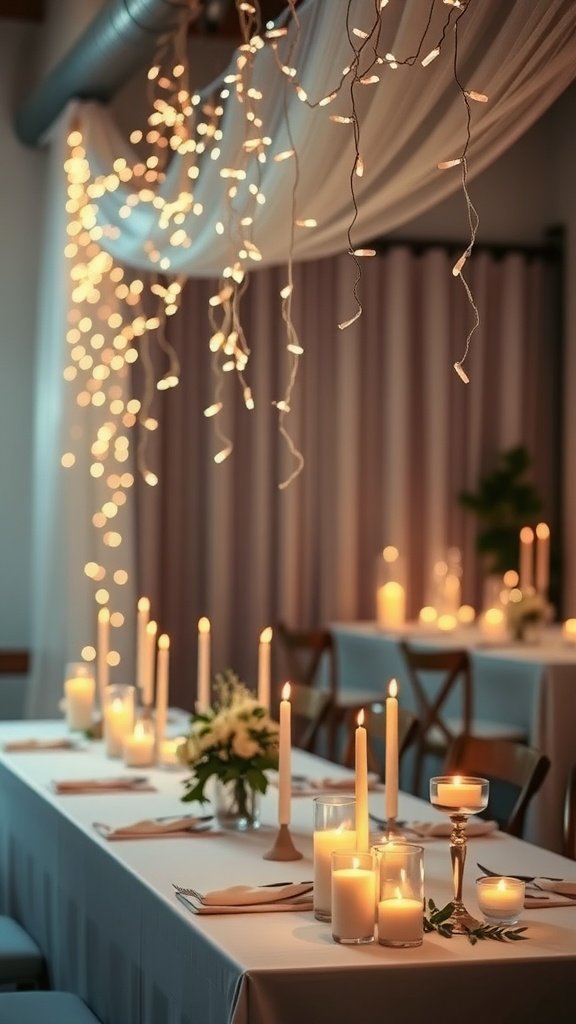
(118, 42)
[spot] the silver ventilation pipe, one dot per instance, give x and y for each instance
(114, 46)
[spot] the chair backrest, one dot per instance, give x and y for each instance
(303, 653)
(375, 725)
(515, 771)
(434, 676)
(14, 663)
(309, 710)
(569, 836)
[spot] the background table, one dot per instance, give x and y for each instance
(529, 685)
(107, 918)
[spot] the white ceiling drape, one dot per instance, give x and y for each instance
(520, 53)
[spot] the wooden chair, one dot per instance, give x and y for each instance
(515, 771)
(309, 710)
(569, 835)
(308, 657)
(375, 724)
(435, 676)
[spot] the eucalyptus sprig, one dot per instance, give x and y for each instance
(438, 921)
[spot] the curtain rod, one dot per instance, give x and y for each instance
(113, 47)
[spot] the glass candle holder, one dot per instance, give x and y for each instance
(390, 589)
(168, 753)
(118, 715)
(139, 745)
(334, 831)
(459, 796)
(400, 894)
(79, 692)
(353, 894)
(500, 899)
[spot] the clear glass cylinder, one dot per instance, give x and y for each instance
(236, 805)
(500, 899)
(334, 830)
(353, 897)
(79, 693)
(118, 716)
(139, 746)
(400, 894)
(390, 589)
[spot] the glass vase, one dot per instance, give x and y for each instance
(236, 805)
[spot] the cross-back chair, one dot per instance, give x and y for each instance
(310, 707)
(515, 772)
(308, 657)
(436, 676)
(569, 832)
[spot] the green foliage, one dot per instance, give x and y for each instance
(438, 921)
(503, 503)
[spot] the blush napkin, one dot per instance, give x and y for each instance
(121, 784)
(560, 893)
(304, 786)
(23, 746)
(247, 899)
(442, 829)
(151, 829)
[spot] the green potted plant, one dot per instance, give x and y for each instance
(503, 502)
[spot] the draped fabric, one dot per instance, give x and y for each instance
(521, 54)
(390, 437)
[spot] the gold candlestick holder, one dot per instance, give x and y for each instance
(445, 791)
(283, 847)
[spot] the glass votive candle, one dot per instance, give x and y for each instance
(500, 898)
(168, 752)
(334, 831)
(400, 894)
(138, 745)
(79, 692)
(118, 715)
(353, 896)
(459, 794)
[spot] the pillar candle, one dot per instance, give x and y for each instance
(526, 557)
(400, 920)
(325, 842)
(162, 687)
(102, 653)
(569, 631)
(203, 675)
(391, 605)
(458, 794)
(353, 895)
(149, 664)
(143, 618)
(138, 746)
(264, 651)
(542, 558)
(79, 694)
(392, 751)
(118, 722)
(284, 758)
(492, 624)
(361, 786)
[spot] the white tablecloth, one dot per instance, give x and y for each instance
(113, 932)
(529, 685)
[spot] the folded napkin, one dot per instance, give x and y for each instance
(441, 829)
(304, 786)
(546, 892)
(151, 828)
(247, 899)
(20, 746)
(122, 784)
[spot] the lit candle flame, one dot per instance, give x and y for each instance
(286, 691)
(203, 625)
(393, 688)
(266, 635)
(360, 717)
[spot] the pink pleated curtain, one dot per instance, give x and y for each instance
(389, 433)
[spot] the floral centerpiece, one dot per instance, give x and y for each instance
(527, 611)
(235, 741)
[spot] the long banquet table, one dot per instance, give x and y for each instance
(529, 685)
(113, 932)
